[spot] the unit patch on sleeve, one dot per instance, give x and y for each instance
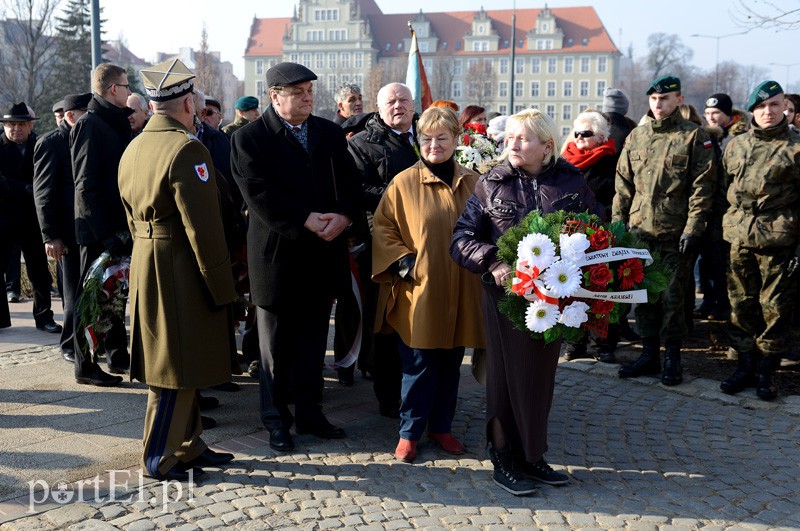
(202, 171)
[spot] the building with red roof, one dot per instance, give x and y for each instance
(564, 57)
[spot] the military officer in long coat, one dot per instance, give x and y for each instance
(181, 282)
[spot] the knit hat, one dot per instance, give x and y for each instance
(614, 100)
(762, 92)
(720, 101)
(497, 127)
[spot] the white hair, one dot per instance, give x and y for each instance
(384, 89)
(597, 123)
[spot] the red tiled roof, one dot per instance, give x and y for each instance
(266, 36)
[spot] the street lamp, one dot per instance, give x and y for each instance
(788, 67)
(718, 38)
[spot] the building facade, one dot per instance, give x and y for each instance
(564, 60)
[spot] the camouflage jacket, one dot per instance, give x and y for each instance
(666, 179)
(763, 168)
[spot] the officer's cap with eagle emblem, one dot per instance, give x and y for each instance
(167, 80)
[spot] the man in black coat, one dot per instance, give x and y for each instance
(54, 195)
(97, 141)
(16, 164)
(298, 181)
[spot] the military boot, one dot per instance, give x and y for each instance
(508, 476)
(765, 387)
(673, 374)
(648, 363)
(744, 376)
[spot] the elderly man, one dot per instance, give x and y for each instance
(181, 282)
(762, 225)
(665, 183)
(299, 183)
(16, 165)
(58, 112)
(213, 113)
(54, 195)
(97, 141)
(141, 112)
(348, 102)
(381, 151)
(246, 109)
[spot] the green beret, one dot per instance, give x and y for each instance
(246, 103)
(665, 84)
(764, 91)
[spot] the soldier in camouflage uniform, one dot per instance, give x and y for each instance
(246, 109)
(762, 225)
(665, 183)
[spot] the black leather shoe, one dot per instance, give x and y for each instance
(324, 431)
(346, 377)
(118, 370)
(391, 411)
(281, 440)
(180, 472)
(228, 387)
(50, 328)
(210, 458)
(207, 402)
(68, 356)
(207, 422)
(12, 296)
(99, 378)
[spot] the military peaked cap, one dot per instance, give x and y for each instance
(168, 80)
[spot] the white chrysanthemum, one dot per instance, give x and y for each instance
(541, 316)
(573, 246)
(467, 156)
(538, 250)
(575, 314)
(562, 278)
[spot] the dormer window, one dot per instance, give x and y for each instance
(545, 27)
(481, 29)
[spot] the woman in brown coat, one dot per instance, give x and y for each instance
(433, 305)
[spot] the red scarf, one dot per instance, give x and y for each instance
(586, 158)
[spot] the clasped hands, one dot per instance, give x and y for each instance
(327, 226)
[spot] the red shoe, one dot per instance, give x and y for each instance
(406, 450)
(448, 443)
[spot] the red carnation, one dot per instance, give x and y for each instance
(600, 275)
(600, 240)
(466, 139)
(476, 127)
(602, 307)
(630, 273)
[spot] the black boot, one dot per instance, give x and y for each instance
(509, 477)
(765, 387)
(648, 362)
(673, 374)
(744, 376)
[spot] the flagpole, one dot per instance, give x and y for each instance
(513, 58)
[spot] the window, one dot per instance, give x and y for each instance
(306, 60)
(518, 88)
(471, 64)
(602, 64)
(504, 66)
(337, 35)
(326, 14)
(315, 35)
(565, 131)
(359, 80)
(534, 105)
(519, 108)
(544, 44)
(584, 89)
(534, 89)
(332, 82)
(551, 65)
(519, 64)
(359, 59)
(551, 89)
(319, 60)
(502, 89)
(584, 65)
(502, 109)
(582, 108)
(566, 112)
(545, 27)
(488, 66)
(601, 87)
(550, 110)
(260, 89)
(427, 64)
(332, 60)
(423, 46)
(259, 67)
(569, 65)
(344, 59)
(567, 89)
(536, 65)
(481, 29)
(480, 46)
(458, 67)
(456, 89)
(294, 58)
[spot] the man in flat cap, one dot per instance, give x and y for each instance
(298, 181)
(58, 111)
(180, 281)
(16, 163)
(54, 195)
(213, 113)
(762, 225)
(246, 109)
(665, 183)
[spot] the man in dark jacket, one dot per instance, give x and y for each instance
(97, 141)
(16, 164)
(300, 186)
(381, 151)
(348, 102)
(54, 195)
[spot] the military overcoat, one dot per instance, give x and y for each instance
(181, 280)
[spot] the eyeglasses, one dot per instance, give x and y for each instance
(584, 134)
(126, 85)
(298, 92)
(212, 112)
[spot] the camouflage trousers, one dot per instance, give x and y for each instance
(762, 299)
(666, 318)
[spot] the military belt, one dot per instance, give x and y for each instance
(153, 231)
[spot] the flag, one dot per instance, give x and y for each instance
(416, 78)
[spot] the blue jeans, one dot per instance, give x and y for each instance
(429, 389)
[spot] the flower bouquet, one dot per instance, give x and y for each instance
(475, 151)
(572, 273)
(105, 289)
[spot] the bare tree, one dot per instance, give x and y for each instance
(27, 50)
(667, 54)
(442, 78)
(208, 79)
(752, 14)
(480, 82)
(634, 78)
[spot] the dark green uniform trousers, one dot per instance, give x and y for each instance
(172, 429)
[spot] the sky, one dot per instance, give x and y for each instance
(166, 25)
